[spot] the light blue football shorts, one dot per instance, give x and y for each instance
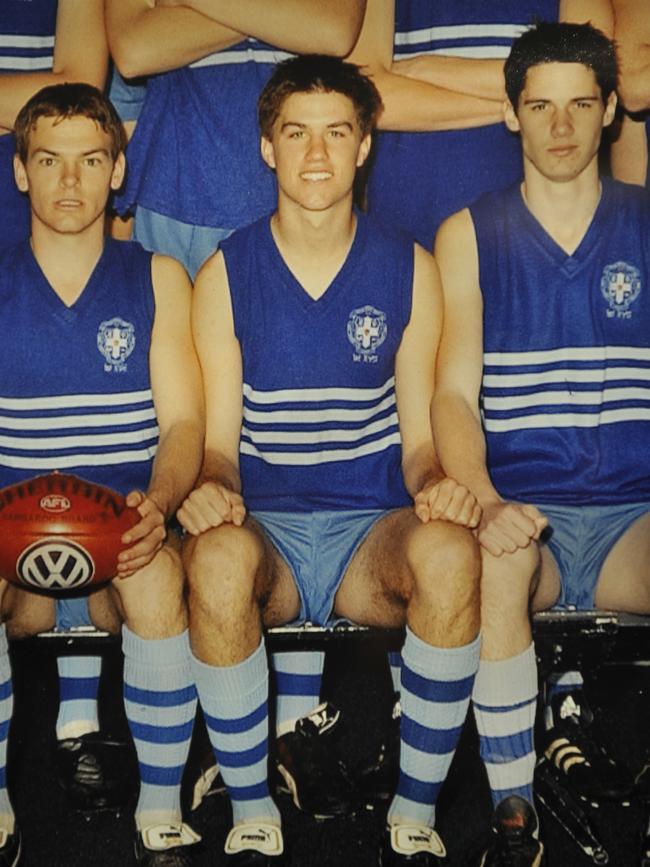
(582, 538)
(318, 546)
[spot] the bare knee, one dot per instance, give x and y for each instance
(222, 565)
(510, 579)
(444, 559)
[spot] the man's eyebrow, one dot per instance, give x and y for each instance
(52, 153)
(333, 125)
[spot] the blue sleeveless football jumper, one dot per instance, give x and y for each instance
(320, 428)
(195, 156)
(75, 391)
(419, 179)
(566, 378)
(26, 45)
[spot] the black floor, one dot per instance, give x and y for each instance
(56, 837)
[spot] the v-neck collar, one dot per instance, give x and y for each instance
(38, 282)
(571, 263)
(339, 280)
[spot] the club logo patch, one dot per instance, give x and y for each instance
(55, 564)
(620, 286)
(367, 330)
(115, 341)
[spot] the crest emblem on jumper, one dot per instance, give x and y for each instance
(621, 286)
(367, 331)
(115, 341)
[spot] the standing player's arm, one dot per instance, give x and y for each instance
(629, 153)
(411, 104)
(632, 33)
(146, 38)
(599, 13)
(434, 496)
(80, 54)
(456, 421)
(178, 401)
(217, 499)
(301, 26)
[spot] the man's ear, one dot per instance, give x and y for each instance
(610, 109)
(20, 174)
(364, 150)
(510, 117)
(119, 169)
(268, 154)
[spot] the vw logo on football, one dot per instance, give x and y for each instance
(55, 564)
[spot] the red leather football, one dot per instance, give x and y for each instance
(59, 532)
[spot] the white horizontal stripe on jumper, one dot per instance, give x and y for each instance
(477, 52)
(567, 419)
(31, 423)
(315, 395)
(79, 460)
(134, 437)
(460, 31)
(325, 456)
(14, 40)
(228, 58)
(567, 354)
(564, 374)
(316, 416)
(74, 401)
(572, 398)
(27, 64)
(279, 437)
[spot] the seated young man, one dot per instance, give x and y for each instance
(320, 492)
(541, 406)
(69, 287)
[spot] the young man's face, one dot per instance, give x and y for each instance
(315, 148)
(560, 116)
(68, 173)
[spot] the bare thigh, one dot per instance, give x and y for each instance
(624, 581)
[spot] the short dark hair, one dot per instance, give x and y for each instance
(67, 100)
(561, 42)
(313, 73)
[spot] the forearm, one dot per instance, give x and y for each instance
(629, 154)
(421, 468)
(221, 470)
(176, 465)
(460, 444)
(418, 106)
(478, 77)
(301, 26)
(152, 40)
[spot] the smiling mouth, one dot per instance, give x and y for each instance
(316, 176)
(68, 203)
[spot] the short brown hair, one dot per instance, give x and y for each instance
(318, 73)
(63, 101)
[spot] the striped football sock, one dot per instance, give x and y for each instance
(78, 688)
(298, 677)
(7, 819)
(505, 702)
(234, 700)
(160, 704)
(436, 684)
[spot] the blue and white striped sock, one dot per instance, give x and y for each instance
(234, 699)
(436, 686)
(78, 688)
(160, 704)
(7, 820)
(505, 702)
(298, 677)
(395, 663)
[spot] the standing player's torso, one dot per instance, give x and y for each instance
(419, 179)
(320, 428)
(26, 45)
(566, 402)
(75, 391)
(195, 153)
